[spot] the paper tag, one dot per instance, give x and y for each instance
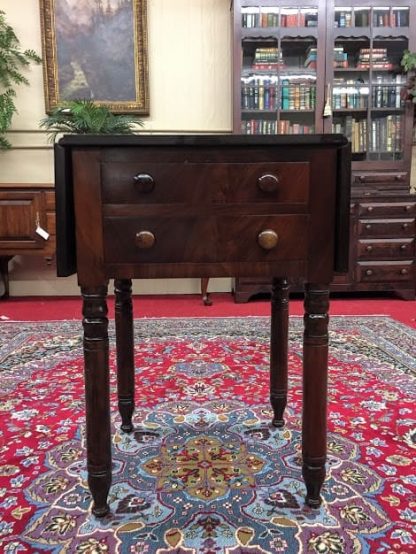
(40, 231)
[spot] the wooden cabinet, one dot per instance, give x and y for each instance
(24, 209)
(334, 67)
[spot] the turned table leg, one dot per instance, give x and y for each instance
(4, 274)
(97, 395)
(279, 349)
(125, 352)
(204, 291)
(315, 375)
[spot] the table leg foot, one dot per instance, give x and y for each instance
(99, 484)
(314, 478)
(278, 403)
(126, 411)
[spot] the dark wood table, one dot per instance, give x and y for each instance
(185, 206)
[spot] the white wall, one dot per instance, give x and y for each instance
(190, 91)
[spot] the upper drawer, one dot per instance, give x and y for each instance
(387, 208)
(386, 227)
(195, 183)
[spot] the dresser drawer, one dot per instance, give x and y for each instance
(385, 271)
(190, 239)
(389, 227)
(387, 209)
(382, 248)
(193, 183)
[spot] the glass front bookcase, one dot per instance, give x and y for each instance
(278, 86)
(368, 40)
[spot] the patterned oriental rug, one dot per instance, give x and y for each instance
(204, 472)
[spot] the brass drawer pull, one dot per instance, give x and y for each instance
(369, 248)
(268, 183)
(145, 240)
(404, 271)
(268, 239)
(369, 272)
(145, 182)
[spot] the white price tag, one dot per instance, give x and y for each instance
(41, 232)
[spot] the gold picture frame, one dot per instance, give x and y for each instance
(96, 50)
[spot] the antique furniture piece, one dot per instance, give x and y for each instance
(24, 210)
(328, 66)
(185, 206)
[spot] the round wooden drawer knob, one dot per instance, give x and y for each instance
(368, 226)
(369, 248)
(369, 272)
(408, 208)
(403, 247)
(404, 271)
(268, 239)
(370, 209)
(144, 182)
(405, 225)
(268, 183)
(145, 240)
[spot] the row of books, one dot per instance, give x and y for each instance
(270, 17)
(387, 95)
(340, 57)
(395, 18)
(398, 17)
(263, 94)
(350, 95)
(268, 127)
(385, 134)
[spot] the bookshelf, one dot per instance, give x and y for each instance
(334, 67)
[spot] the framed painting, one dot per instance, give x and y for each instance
(97, 50)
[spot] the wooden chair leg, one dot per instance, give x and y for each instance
(279, 349)
(4, 275)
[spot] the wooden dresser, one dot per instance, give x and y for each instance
(23, 209)
(186, 206)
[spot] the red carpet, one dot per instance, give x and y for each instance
(204, 472)
(49, 308)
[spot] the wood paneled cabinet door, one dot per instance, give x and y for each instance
(330, 66)
(27, 225)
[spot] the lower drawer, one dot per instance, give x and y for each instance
(189, 239)
(370, 272)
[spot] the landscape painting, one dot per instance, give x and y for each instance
(97, 50)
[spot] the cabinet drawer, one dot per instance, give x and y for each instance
(382, 248)
(388, 209)
(19, 213)
(385, 271)
(386, 227)
(152, 183)
(185, 239)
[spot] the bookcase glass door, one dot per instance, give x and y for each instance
(367, 104)
(279, 60)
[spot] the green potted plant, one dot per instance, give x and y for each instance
(409, 65)
(82, 117)
(12, 61)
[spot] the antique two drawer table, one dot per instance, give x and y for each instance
(211, 206)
